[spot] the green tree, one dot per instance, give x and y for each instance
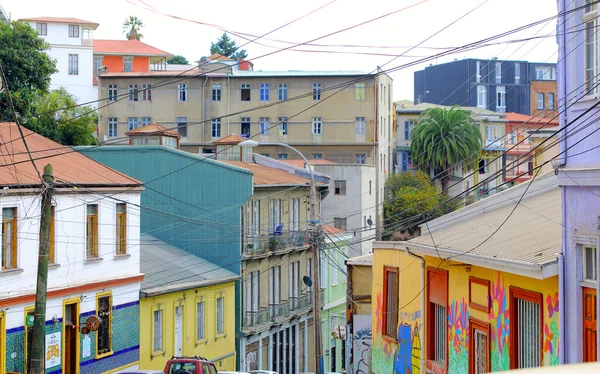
(442, 139)
(178, 60)
(410, 200)
(73, 125)
(131, 27)
(26, 66)
(226, 46)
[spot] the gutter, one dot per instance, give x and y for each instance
(423, 275)
(203, 108)
(161, 290)
(561, 315)
(562, 92)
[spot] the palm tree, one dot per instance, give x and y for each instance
(442, 139)
(131, 28)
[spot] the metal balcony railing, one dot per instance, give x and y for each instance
(256, 245)
(257, 318)
(304, 302)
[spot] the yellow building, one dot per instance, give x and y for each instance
(464, 297)
(187, 307)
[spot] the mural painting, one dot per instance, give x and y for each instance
(551, 331)
(361, 342)
(500, 326)
(458, 335)
(382, 359)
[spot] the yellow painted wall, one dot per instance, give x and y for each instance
(211, 347)
(386, 351)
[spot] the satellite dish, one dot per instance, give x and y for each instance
(369, 221)
(307, 281)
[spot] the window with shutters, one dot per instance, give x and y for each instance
(437, 301)
(526, 333)
(391, 301)
(92, 231)
(121, 229)
(146, 92)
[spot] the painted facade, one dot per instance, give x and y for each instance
(358, 315)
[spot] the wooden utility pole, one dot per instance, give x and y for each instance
(39, 322)
(319, 369)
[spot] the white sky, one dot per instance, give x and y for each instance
(402, 30)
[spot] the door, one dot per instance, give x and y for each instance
(479, 347)
(70, 339)
(178, 331)
(590, 315)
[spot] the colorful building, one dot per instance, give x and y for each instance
(187, 307)
(476, 292)
(94, 263)
(358, 313)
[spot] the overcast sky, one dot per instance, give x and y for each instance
(400, 30)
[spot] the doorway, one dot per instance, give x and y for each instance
(179, 331)
(245, 127)
(590, 316)
(479, 347)
(71, 337)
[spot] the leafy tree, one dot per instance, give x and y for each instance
(131, 27)
(442, 139)
(26, 66)
(178, 60)
(226, 46)
(74, 125)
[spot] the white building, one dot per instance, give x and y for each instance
(94, 260)
(71, 45)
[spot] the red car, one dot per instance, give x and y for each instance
(189, 365)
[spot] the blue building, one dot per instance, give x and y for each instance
(500, 86)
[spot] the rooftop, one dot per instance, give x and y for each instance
(479, 113)
(152, 129)
(365, 260)
(167, 268)
(523, 118)
(70, 166)
(126, 47)
(70, 20)
(231, 139)
(300, 162)
(298, 73)
(266, 176)
(331, 230)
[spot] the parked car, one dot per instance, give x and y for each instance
(233, 372)
(262, 372)
(587, 368)
(189, 365)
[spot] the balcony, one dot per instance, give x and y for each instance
(265, 245)
(276, 313)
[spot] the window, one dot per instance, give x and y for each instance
(52, 248)
(551, 101)
(73, 31)
(408, 128)
(91, 231)
(245, 91)
(200, 320)
(97, 64)
(42, 28)
(220, 322)
(182, 92)
(294, 285)
(545, 73)
(591, 56)
(317, 125)
(275, 286)
(340, 187)
(334, 266)
(282, 156)
(540, 100)
(359, 91)
(133, 92)
(245, 126)
(216, 92)
(517, 73)
(437, 297)
(157, 331)
(283, 125)
(146, 92)
(9, 238)
(340, 223)
(316, 91)
(215, 128)
(360, 126)
(264, 92)
(112, 92)
(182, 126)
(498, 72)
(360, 158)
(322, 270)
(28, 336)
(264, 125)
(73, 64)
(294, 214)
(406, 159)
(479, 347)
(481, 97)
(478, 71)
(317, 156)
(112, 127)
(132, 123)
(390, 301)
(501, 99)
(253, 294)
(282, 92)
(104, 334)
(526, 333)
(482, 166)
(590, 273)
(274, 214)
(146, 121)
(127, 64)
(121, 225)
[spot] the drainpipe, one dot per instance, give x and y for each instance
(562, 5)
(228, 96)
(203, 109)
(423, 275)
(561, 314)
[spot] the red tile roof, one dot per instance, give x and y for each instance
(300, 163)
(331, 230)
(264, 175)
(126, 47)
(62, 20)
(216, 56)
(153, 128)
(70, 167)
(523, 118)
(230, 139)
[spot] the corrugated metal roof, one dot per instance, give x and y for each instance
(366, 260)
(532, 234)
(167, 268)
(264, 175)
(297, 73)
(126, 47)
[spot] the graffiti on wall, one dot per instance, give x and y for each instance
(551, 330)
(361, 343)
(458, 336)
(382, 358)
(500, 326)
(408, 357)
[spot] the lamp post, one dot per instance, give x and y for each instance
(319, 369)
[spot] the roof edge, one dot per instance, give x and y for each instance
(161, 290)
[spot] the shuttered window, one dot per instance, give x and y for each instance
(121, 227)
(437, 297)
(92, 231)
(526, 334)
(390, 301)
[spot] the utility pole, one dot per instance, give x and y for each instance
(319, 369)
(39, 322)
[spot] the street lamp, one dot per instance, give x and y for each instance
(313, 220)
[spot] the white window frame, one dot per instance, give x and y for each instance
(128, 64)
(590, 22)
(517, 73)
(41, 28)
(316, 91)
(317, 125)
(73, 64)
(585, 259)
(282, 91)
(113, 92)
(182, 92)
(132, 123)
(541, 100)
(481, 96)
(157, 330)
(74, 31)
(216, 92)
(246, 86)
(215, 128)
(282, 126)
(146, 121)
(323, 269)
(498, 72)
(275, 286)
(112, 126)
(478, 71)
(200, 320)
(133, 92)
(220, 314)
(360, 158)
(501, 98)
(147, 92)
(361, 125)
(264, 93)
(182, 129)
(97, 63)
(264, 125)
(551, 101)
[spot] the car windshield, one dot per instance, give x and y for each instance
(182, 368)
